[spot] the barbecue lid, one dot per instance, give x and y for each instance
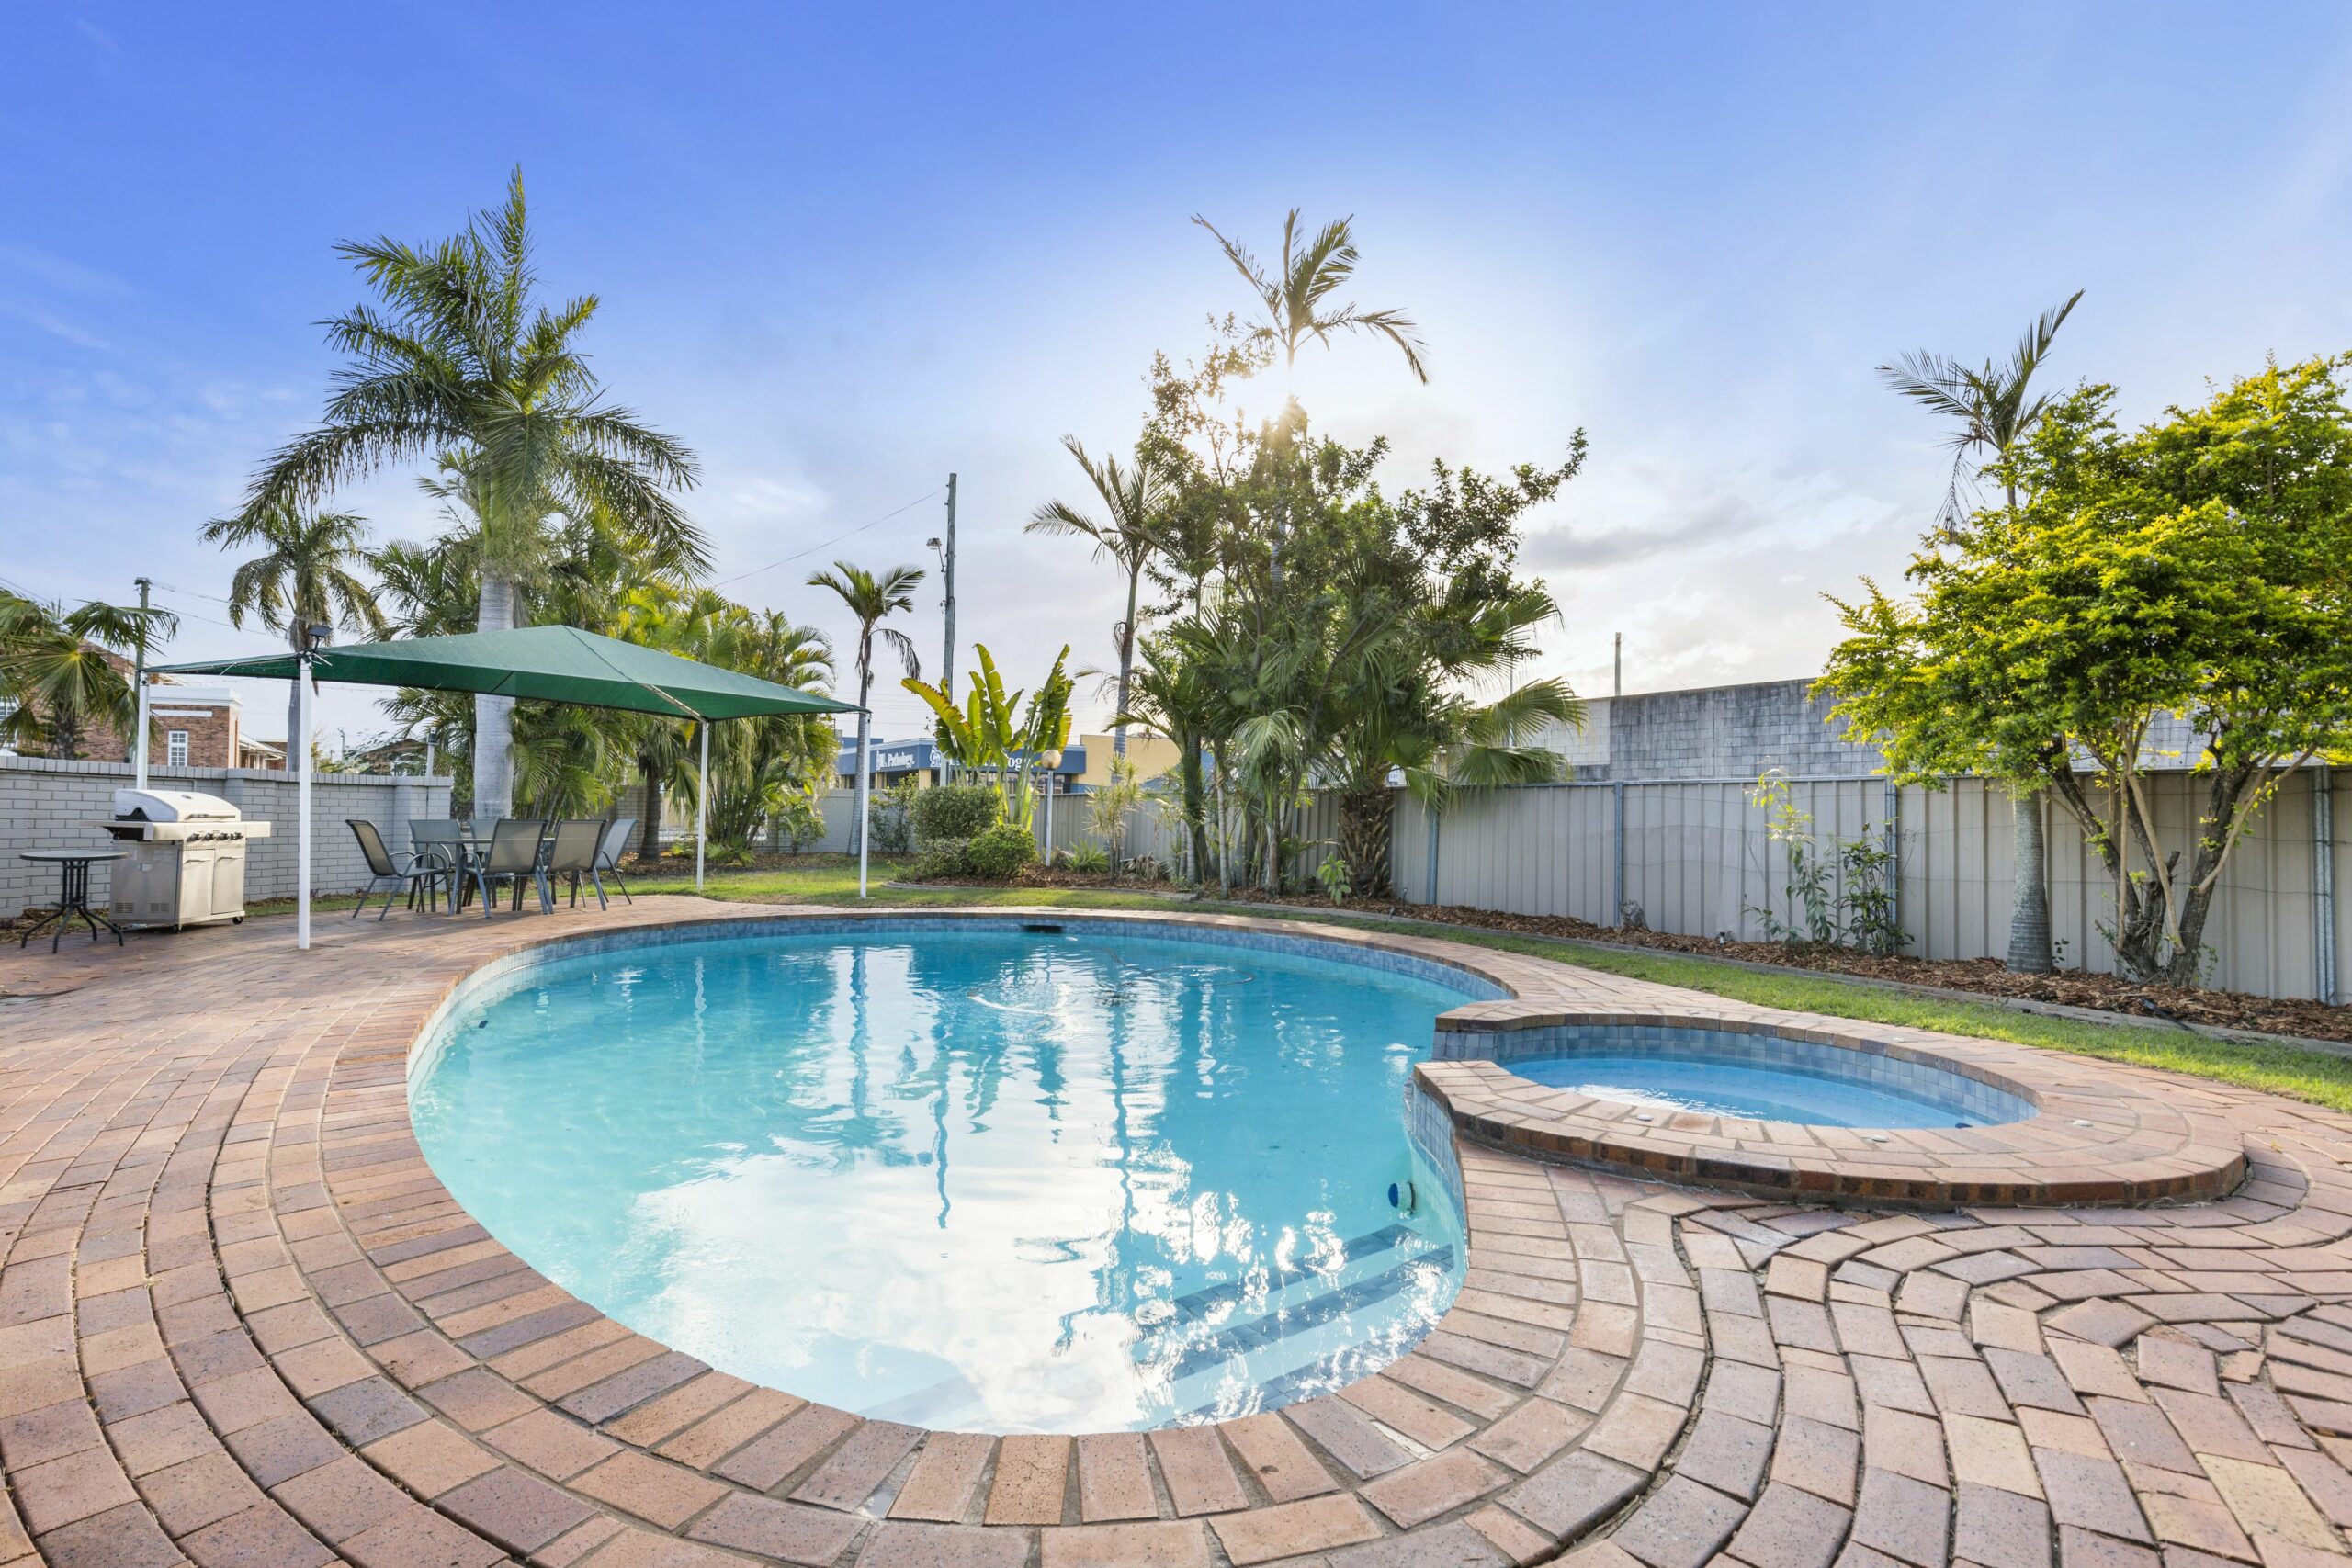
(172, 806)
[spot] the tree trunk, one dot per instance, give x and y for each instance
(293, 699)
(1365, 829)
(863, 786)
(1127, 660)
(2030, 905)
(1189, 788)
(649, 832)
(495, 716)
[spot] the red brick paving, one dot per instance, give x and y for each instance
(240, 1322)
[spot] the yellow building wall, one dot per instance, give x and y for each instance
(1151, 755)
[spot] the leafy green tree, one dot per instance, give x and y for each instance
(304, 577)
(871, 599)
(1438, 566)
(459, 360)
(1990, 410)
(57, 679)
(2193, 568)
(1132, 497)
(1364, 656)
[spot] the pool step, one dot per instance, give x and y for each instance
(1297, 1318)
(1197, 1304)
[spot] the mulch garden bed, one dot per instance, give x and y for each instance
(2069, 987)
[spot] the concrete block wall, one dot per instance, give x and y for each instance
(1732, 732)
(49, 804)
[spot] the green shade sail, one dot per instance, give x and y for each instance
(561, 664)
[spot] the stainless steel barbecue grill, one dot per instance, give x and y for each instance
(187, 864)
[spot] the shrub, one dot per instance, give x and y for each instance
(998, 854)
(942, 863)
(1092, 858)
(798, 823)
(893, 809)
(953, 813)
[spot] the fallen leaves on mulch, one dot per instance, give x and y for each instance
(2072, 988)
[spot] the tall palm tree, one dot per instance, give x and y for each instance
(1132, 501)
(459, 356)
(870, 599)
(1297, 300)
(1991, 410)
(303, 578)
(61, 669)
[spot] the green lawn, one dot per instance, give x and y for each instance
(2313, 1076)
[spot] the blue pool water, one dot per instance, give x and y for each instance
(1807, 1084)
(966, 1178)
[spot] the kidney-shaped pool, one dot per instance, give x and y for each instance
(1054, 1178)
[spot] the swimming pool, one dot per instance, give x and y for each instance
(1765, 1077)
(968, 1176)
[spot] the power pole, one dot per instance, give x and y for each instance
(1617, 672)
(947, 653)
(947, 571)
(139, 675)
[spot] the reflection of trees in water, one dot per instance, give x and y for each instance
(905, 1081)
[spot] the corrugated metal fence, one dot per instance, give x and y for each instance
(1699, 861)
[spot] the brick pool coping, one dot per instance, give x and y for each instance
(2096, 1137)
(240, 1320)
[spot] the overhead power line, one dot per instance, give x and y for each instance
(826, 544)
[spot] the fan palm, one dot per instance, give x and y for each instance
(460, 356)
(61, 669)
(303, 578)
(1134, 499)
(1297, 298)
(870, 599)
(1991, 410)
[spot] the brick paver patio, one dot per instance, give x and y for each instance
(241, 1323)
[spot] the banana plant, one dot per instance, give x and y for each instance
(993, 733)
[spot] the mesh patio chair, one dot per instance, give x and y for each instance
(441, 841)
(513, 856)
(618, 833)
(386, 874)
(571, 854)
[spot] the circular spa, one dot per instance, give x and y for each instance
(1762, 1076)
(969, 1174)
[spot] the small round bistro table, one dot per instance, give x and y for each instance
(72, 893)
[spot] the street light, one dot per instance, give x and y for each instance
(1053, 760)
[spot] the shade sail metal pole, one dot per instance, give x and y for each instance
(302, 806)
(702, 802)
(139, 773)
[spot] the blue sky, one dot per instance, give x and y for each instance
(844, 250)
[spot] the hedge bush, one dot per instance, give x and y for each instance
(998, 854)
(954, 813)
(942, 863)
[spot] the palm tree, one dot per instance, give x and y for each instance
(460, 358)
(61, 669)
(1297, 297)
(1132, 501)
(870, 600)
(1991, 410)
(303, 578)
(1407, 708)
